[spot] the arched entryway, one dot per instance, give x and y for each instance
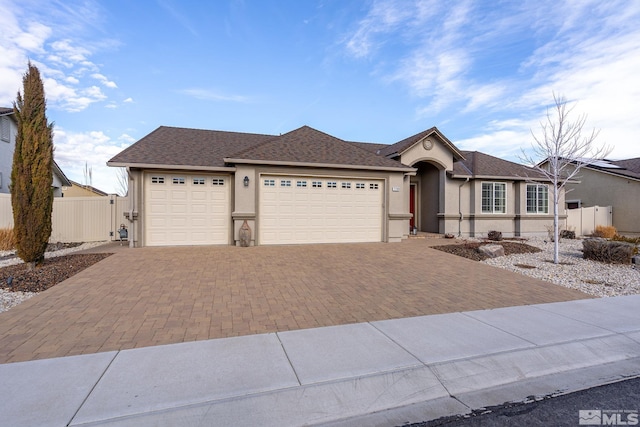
(425, 197)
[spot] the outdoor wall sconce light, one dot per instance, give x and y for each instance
(246, 181)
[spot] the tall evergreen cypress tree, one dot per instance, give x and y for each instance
(32, 173)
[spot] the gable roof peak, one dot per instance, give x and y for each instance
(400, 147)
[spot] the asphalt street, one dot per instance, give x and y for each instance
(612, 404)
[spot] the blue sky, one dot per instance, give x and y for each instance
(374, 71)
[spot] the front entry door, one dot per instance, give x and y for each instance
(412, 206)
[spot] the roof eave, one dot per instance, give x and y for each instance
(318, 165)
(504, 178)
(171, 167)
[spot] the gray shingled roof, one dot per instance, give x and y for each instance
(630, 167)
(5, 110)
(187, 147)
(207, 148)
(373, 147)
(401, 146)
(481, 164)
(308, 145)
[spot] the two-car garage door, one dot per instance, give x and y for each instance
(185, 209)
(296, 209)
(190, 209)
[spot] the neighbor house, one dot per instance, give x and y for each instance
(81, 190)
(8, 131)
(614, 183)
(198, 187)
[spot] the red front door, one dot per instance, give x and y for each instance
(412, 206)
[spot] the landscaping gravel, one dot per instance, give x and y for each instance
(591, 277)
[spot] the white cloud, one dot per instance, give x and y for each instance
(73, 149)
(47, 40)
(587, 51)
(128, 100)
(104, 81)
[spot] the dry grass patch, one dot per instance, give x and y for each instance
(7, 240)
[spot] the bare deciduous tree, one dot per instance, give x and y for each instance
(560, 151)
(122, 183)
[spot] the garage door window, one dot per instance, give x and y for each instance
(302, 184)
(346, 185)
(316, 184)
(360, 185)
(178, 180)
(373, 186)
(269, 182)
(285, 183)
(332, 184)
(157, 179)
(217, 181)
(198, 181)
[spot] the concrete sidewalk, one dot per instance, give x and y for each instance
(377, 373)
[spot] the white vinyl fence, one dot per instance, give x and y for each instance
(78, 219)
(585, 220)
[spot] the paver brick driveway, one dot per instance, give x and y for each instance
(152, 296)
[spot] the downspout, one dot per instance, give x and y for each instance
(461, 216)
(131, 201)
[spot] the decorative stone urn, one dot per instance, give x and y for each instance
(245, 234)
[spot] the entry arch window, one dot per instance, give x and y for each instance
(494, 197)
(537, 198)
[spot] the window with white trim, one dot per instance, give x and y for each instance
(316, 184)
(285, 183)
(346, 185)
(178, 180)
(269, 182)
(5, 129)
(537, 198)
(373, 186)
(217, 181)
(360, 185)
(302, 184)
(494, 197)
(198, 181)
(332, 184)
(157, 179)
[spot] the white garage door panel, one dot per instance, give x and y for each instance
(186, 213)
(317, 213)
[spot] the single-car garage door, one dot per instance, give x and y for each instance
(297, 209)
(186, 209)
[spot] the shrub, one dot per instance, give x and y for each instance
(567, 234)
(633, 240)
(607, 251)
(606, 232)
(494, 235)
(7, 241)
